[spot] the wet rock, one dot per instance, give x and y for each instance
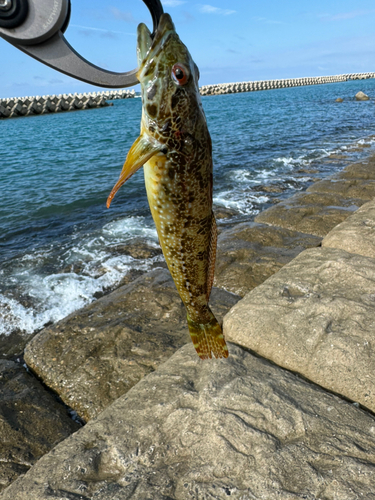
(336, 156)
(31, 421)
(239, 428)
(13, 344)
(347, 188)
(362, 170)
(313, 213)
(361, 96)
(249, 253)
(308, 170)
(356, 234)
(138, 249)
(270, 188)
(316, 316)
(224, 213)
(339, 99)
(98, 353)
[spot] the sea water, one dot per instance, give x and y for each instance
(58, 241)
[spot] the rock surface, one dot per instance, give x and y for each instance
(239, 427)
(249, 253)
(361, 170)
(356, 234)
(98, 353)
(31, 421)
(362, 189)
(312, 213)
(316, 316)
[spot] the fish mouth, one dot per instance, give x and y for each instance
(149, 46)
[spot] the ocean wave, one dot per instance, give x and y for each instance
(129, 228)
(243, 204)
(57, 295)
(59, 281)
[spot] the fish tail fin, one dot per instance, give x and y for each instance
(208, 338)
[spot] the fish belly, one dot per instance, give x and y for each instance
(183, 240)
(185, 224)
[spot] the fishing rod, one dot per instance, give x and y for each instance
(37, 28)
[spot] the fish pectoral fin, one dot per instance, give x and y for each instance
(142, 150)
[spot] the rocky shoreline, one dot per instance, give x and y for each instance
(290, 414)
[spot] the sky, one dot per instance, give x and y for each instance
(232, 40)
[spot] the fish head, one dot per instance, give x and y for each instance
(169, 81)
(173, 122)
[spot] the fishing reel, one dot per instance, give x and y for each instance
(37, 28)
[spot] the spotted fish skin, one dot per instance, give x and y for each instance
(175, 148)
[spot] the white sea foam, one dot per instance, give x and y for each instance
(244, 203)
(60, 293)
(243, 176)
(129, 228)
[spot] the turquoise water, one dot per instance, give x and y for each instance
(58, 240)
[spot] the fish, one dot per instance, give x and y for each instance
(174, 147)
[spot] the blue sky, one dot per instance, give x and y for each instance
(233, 40)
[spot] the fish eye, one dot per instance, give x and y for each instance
(180, 74)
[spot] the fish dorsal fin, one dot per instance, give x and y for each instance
(144, 148)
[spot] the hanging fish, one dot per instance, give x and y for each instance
(175, 149)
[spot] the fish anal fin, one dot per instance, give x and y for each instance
(211, 256)
(141, 151)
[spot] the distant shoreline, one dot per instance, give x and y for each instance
(231, 88)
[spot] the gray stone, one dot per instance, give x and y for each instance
(98, 353)
(239, 427)
(356, 234)
(316, 316)
(31, 421)
(249, 253)
(313, 213)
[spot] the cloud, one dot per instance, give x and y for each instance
(346, 15)
(86, 30)
(187, 17)
(172, 3)
(109, 34)
(267, 21)
(122, 15)
(209, 9)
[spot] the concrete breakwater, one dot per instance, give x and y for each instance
(231, 88)
(26, 106)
